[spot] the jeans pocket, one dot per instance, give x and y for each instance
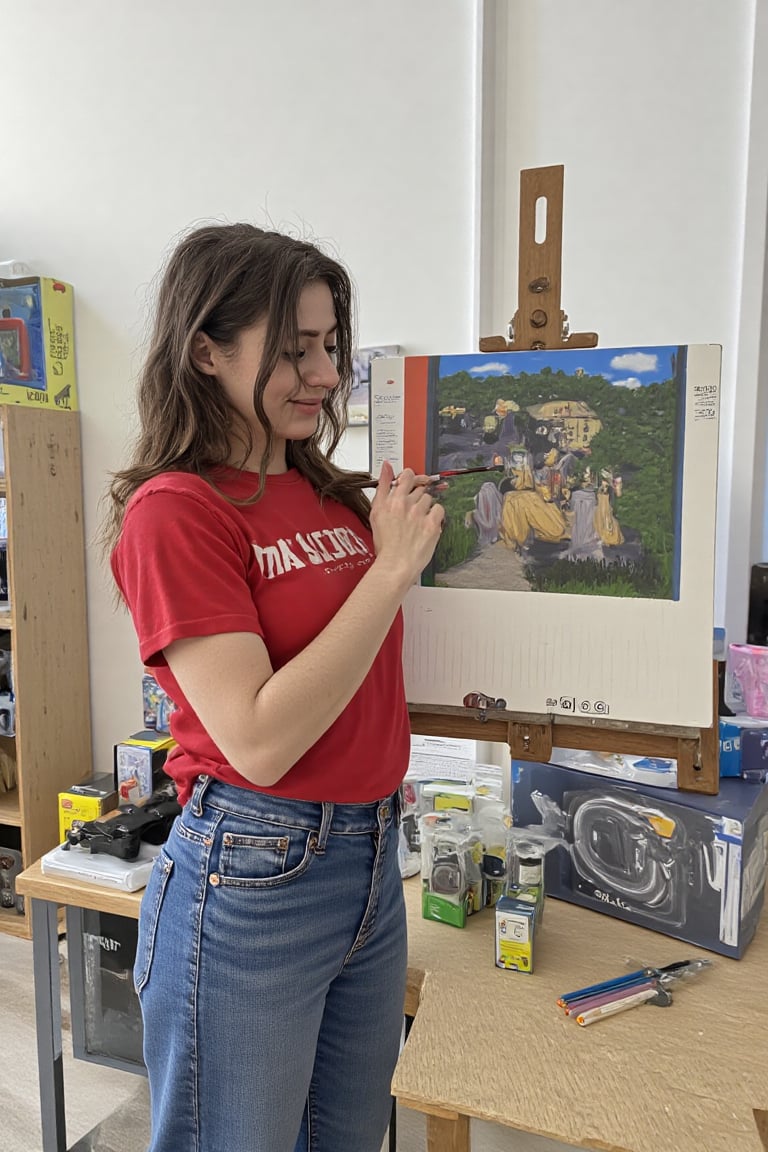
(247, 861)
(151, 904)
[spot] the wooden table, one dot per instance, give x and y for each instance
(47, 894)
(492, 1044)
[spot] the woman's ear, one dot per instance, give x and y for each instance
(204, 353)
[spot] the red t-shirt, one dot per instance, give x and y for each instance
(189, 563)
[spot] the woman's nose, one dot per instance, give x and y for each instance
(322, 374)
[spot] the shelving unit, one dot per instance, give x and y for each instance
(46, 617)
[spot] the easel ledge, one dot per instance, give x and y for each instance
(531, 736)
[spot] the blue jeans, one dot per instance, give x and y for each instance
(271, 972)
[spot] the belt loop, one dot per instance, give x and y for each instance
(196, 803)
(386, 812)
(397, 800)
(325, 827)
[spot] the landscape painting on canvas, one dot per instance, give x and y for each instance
(575, 572)
(588, 451)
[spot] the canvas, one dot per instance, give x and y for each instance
(588, 494)
(589, 543)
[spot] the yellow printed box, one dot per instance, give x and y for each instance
(86, 801)
(37, 350)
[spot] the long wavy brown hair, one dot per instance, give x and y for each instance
(220, 280)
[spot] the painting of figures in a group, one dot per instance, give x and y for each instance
(584, 451)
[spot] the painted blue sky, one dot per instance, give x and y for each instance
(632, 367)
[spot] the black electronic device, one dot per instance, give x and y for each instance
(121, 835)
(757, 624)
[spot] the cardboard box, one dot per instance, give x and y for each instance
(729, 747)
(37, 349)
(139, 763)
(516, 922)
(690, 866)
(158, 706)
(754, 754)
(103, 983)
(86, 801)
(733, 730)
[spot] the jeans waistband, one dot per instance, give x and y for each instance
(327, 819)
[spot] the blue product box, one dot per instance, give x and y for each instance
(730, 747)
(158, 706)
(738, 733)
(689, 866)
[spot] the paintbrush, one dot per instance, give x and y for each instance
(437, 476)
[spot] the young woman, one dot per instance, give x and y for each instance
(265, 591)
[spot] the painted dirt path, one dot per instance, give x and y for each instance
(495, 567)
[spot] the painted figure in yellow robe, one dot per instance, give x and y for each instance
(606, 524)
(525, 511)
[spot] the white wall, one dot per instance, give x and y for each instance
(648, 107)
(754, 320)
(128, 121)
(132, 120)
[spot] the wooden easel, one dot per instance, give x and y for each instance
(539, 322)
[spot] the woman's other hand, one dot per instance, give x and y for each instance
(406, 522)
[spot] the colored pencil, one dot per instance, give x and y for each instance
(622, 1005)
(604, 986)
(574, 1002)
(579, 1007)
(623, 981)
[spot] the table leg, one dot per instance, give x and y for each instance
(448, 1135)
(45, 960)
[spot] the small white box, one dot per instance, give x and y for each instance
(77, 864)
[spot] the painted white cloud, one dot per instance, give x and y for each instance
(489, 369)
(630, 382)
(636, 362)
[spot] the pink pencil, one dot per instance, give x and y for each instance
(623, 1004)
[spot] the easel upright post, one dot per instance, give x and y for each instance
(539, 321)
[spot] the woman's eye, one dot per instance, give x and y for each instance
(298, 354)
(333, 352)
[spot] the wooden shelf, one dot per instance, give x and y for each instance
(46, 619)
(14, 925)
(10, 811)
(3, 486)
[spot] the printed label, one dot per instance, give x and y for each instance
(705, 401)
(577, 705)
